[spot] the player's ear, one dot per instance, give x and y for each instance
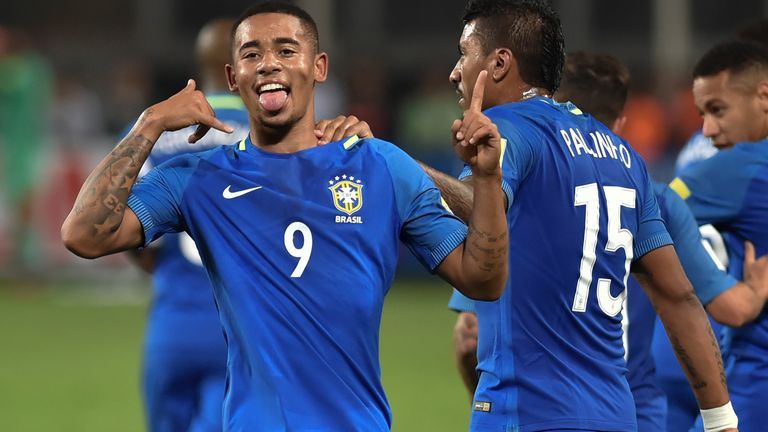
(231, 78)
(762, 95)
(502, 61)
(321, 67)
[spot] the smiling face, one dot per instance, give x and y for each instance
(733, 110)
(275, 68)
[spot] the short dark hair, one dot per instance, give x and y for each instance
(286, 8)
(735, 57)
(597, 83)
(530, 29)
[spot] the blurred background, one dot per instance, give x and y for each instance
(73, 74)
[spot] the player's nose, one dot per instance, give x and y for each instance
(455, 76)
(268, 64)
(710, 128)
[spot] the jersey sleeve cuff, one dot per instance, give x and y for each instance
(467, 172)
(138, 207)
(460, 303)
(653, 242)
(446, 246)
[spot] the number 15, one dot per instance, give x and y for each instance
(618, 238)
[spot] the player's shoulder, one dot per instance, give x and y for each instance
(193, 159)
(385, 149)
(737, 159)
(750, 150)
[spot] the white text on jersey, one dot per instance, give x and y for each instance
(602, 146)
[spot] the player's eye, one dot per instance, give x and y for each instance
(250, 55)
(287, 52)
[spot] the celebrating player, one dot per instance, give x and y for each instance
(728, 190)
(581, 213)
(598, 85)
(299, 241)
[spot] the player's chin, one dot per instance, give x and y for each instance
(277, 120)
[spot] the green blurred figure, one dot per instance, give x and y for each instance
(25, 92)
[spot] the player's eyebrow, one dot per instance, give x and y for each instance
(276, 41)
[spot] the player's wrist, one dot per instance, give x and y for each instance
(149, 125)
(719, 418)
(486, 176)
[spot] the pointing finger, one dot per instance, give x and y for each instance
(477, 94)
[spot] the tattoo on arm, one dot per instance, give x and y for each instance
(456, 193)
(487, 249)
(686, 361)
(103, 198)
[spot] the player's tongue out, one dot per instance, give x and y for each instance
(272, 97)
(273, 100)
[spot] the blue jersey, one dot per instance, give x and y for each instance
(697, 149)
(301, 249)
(708, 281)
(185, 356)
(728, 190)
(181, 287)
(582, 208)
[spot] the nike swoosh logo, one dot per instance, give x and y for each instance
(228, 194)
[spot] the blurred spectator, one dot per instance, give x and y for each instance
(25, 91)
(129, 91)
(78, 131)
(424, 122)
(646, 128)
(367, 87)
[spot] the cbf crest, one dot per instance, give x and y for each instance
(347, 194)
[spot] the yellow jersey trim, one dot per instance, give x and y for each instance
(241, 146)
(577, 111)
(350, 142)
(680, 187)
(503, 150)
(445, 205)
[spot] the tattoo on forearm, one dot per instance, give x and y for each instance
(686, 361)
(718, 357)
(104, 196)
(483, 248)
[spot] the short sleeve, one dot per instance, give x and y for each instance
(429, 229)
(518, 154)
(699, 266)
(652, 232)
(461, 303)
(156, 197)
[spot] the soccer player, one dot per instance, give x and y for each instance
(598, 85)
(681, 404)
(185, 357)
(581, 214)
(730, 88)
(299, 241)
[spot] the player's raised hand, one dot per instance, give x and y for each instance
(756, 271)
(342, 126)
(475, 138)
(186, 108)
